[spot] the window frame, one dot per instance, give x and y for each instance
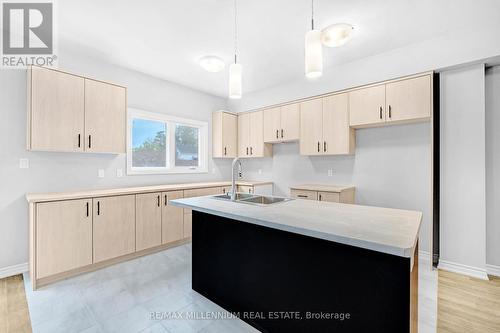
(170, 122)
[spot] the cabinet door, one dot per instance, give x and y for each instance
(272, 125)
(329, 196)
(257, 147)
(217, 140)
(409, 99)
(290, 122)
(311, 127)
(367, 106)
(114, 226)
(105, 117)
(57, 111)
(244, 135)
(63, 236)
(188, 225)
(172, 219)
(229, 135)
(245, 189)
(148, 220)
(338, 137)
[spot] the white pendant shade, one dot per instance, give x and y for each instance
(235, 71)
(313, 54)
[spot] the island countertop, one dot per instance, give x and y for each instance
(386, 230)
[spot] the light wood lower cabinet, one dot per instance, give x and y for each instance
(304, 194)
(148, 220)
(114, 227)
(342, 196)
(63, 236)
(188, 213)
(172, 218)
(329, 196)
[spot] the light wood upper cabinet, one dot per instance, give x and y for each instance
(148, 222)
(55, 111)
(409, 99)
(338, 137)
(105, 117)
(311, 127)
(172, 218)
(63, 236)
(282, 124)
(224, 135)
(70, 113)
(367, 106)
(251, 135)
(324, 124)
(114, 226)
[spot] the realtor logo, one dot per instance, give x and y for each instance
(27, 34)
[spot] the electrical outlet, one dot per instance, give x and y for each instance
(119, 173)
(100, 173)
(24, 163)
(330, 172)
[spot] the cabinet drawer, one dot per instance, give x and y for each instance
(329, 196)
(303, 194)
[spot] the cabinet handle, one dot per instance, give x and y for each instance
(390, 111)
(87, 209)
(282, 133)
(165, 199)
(79, 140)
(320, 197)
(247, 150)
(324, 146)
(90, 141)
(158, 200)
(225, 150)
(277, 134)
(302, 196)
(98, 208)
(251, 150)
(380, 112)
(319, 144)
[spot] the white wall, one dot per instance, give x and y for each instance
(493, 166)
(463, 178)
(50, 172)
(391, 168)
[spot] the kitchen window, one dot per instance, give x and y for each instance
(162, 144)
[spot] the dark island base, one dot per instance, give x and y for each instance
(274, 280)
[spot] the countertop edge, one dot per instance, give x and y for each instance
(322, 187)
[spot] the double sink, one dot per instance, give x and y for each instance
(253, 199)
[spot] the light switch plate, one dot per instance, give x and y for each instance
(24, 163)
(119, 173)
(100, 173)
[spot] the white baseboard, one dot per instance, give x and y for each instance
(463, 269)
(13, 270)
(493, 270)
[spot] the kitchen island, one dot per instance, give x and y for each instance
(307, 266)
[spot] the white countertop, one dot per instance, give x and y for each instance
(55, 196)
(386, 230)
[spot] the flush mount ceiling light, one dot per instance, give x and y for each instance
(212, 64)
(336, 34)
(235, 70)
(313, 50)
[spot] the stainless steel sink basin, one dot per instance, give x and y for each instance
(252, 199)
(263, 200)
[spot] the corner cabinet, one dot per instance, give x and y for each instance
(251, 136)
(224, 135)
(282, 124)
(71, 113)
(400, 101)
(324, 126)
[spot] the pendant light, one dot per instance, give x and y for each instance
(235, 70)
(313, 50)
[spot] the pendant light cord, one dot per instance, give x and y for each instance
(235, 33)
(312, 14)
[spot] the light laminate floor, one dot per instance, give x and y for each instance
(13, 307)
(121, 298)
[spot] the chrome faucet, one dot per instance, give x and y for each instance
(233, 177)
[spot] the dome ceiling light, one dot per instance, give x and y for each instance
(337, 34)
(212, 63)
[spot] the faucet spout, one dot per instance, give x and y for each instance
(236, 161)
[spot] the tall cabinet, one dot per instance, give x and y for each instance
(71, 113)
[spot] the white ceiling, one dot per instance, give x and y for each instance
(165, 38)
